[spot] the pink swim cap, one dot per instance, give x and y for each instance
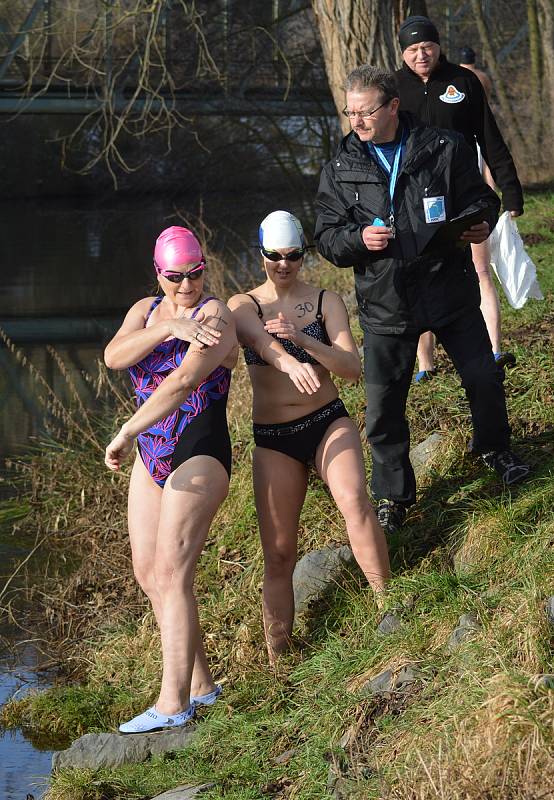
(177, 246)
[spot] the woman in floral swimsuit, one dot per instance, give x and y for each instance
(179, 349)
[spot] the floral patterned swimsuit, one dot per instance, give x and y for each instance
(197, 427)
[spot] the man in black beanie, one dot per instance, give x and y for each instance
(449, 96)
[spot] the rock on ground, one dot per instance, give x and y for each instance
(317, 572)
(97, 750)
(543, 681)
(465, 558)
(423, 454)
(185, 792)
(389, 624)
(550, 610)
(468, 625)
(285, 757)
(393, 681)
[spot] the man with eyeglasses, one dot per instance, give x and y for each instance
(381, 203)
(450, 96)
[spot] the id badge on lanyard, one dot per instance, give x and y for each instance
(392, 172)
(434, 209)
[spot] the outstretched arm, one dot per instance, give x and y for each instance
(198, 363)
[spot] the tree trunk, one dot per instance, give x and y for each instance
(546, 27)
(355, 32)
(510, 119)
(536, 69)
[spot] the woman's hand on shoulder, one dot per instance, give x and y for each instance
(219, 320)
(198, 330)
(218, 325)
(284, 328)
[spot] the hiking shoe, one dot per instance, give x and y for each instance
(151, 720)
(505, 359)
(206, 699)
(424, 375)
(510, 468)
(391, 515)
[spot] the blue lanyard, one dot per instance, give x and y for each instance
(392, 172)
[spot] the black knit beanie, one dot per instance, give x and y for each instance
(417, 29)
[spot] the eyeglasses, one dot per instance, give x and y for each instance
(176, 277)
(364, 114)
(272, 255)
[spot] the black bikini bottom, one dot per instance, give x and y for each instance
(300, 438)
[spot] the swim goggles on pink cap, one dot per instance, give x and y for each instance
(176, 277)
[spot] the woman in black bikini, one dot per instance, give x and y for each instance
(294, 335)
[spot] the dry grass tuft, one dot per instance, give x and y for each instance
(501, 752)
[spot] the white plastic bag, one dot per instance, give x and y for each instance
(513, 267)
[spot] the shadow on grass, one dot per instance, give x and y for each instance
(446, 501)
(443, 508)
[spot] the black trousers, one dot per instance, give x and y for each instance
(388, 365)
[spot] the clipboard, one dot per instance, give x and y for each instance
(449, 232)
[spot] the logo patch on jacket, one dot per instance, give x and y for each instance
(452, 95)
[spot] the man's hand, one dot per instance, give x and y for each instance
(476, 234)
(376, 237)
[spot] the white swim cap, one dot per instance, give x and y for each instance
(281, 229)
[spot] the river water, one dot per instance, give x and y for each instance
(24, 763)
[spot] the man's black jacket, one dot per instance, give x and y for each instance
(453, 98)
(399, 289)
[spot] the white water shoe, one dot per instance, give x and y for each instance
(207, 699)
(151, 720)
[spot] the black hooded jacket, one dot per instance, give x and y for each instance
(400, 288)
(463, 108)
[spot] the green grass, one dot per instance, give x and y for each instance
(476, 727)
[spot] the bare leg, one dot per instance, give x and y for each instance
(426, 352)
(145, 498)
(340, 463)
(191, 497)
(280, 484)
(490, 304)
(487, 175)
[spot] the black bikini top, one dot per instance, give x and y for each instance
(315, 329)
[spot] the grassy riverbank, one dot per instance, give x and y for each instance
(477, 724)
